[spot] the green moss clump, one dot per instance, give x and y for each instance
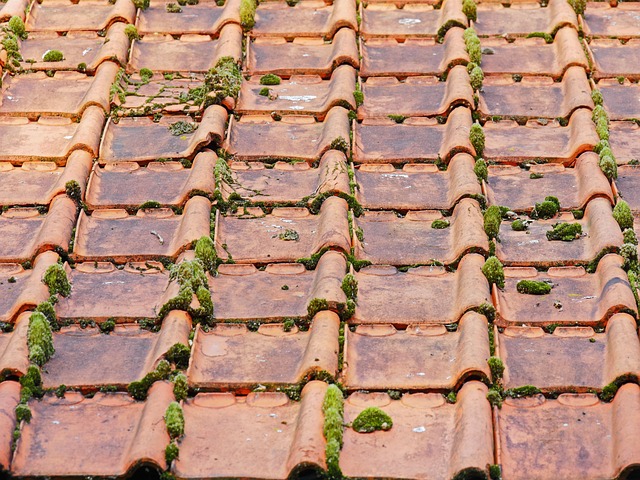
(481, 170)
(289, 235)
(247, 14)
(340, 144)
(476, 136)
(139, 388)
(107, 326)
(180, 387)
(23, 412)
(171, 453)
(270, 79)
(608, 166)
(17, 26)
(397, 118)
(492, 220)
(350, 286)
(470, 10)
(179, 355)
(47, 309)
(205, 252)
(316, 305)
(472, 43)
(146, 74)
(372, 419)
(264, 92)
(494, 272)
(596, 96)
(565, 232)
(629, 236)
(333, 410)
(358, 96)
(519, 225)
(182, 128)
(174, 420)
(440, 224)
(602, 129)
(222, 81)
(533, 287)
(55, 277)
(31, 383)
(131, 32)
(476, 75)
(495, 472)
(141, 4)
(546, 209)
(149, 204)
(622, 214)
(173, 8)
(629, 252)
(73, 191)
(497, 368)
(579, 6)
(53, 56)
(39, 339)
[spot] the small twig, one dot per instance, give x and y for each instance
(153, 232)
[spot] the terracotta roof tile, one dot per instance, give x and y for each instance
(9, 398)
(49, 138)
(623, 137)
(621, 101)
(508, 142)
(189, 53)
(449, 439)
(521, 19)
(284, 235)
(573, 187)
(38, 183)
(611, 58)
(14, 353)
(13, 8)
(533, 56)
(423, 294)
(595, 436)
(121, 141)
(417, 186)
(266, 434)
(602, 20)
(380, 57)
(231, 357)
(64, 15)
(304, 56)
(150, 234)
(576, 297)
(627, 185)
(300, 94)
(424, 356)
(206, 18)
(127, 184)
(28, 290)
(308, 18)
(244, 293)
(141, 290)
(412, 20)
(415, 140)
(88, 359)
(66, 94)
(413, 240)
(288, 182)
(572, 358)
(535, 97)
(124, 433)
(416, 96)
(301, 137)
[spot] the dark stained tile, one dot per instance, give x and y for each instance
(603, 20)
(206, 18)
(64, 16)
(611, 58)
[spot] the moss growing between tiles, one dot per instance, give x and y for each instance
(470, 10)
(316, 305)
(358, 96)
(180, 387)
(487, 310)
(31, 383)
(397, 118)
(55, 277)
(565, 232)
(497, 369)
(179, 355)
(131, 32)
(39, 339)
(519, 225)
(49, 312)
(472, 43)
(476, 75)
(494, 272)
(492, 221)
(596, 96)
(23, 413)
(547, 38)
(173, 8)
(141, 4)
(372, 419)
(270, 79)
(481, 170)
(333, 410)
(629, 252)
(476, 137)
(495, 472)
(524, 391)
(608, 166)
(440, 224)
(205, 252)
(546, 209)
(139, 388)
(622, 214)
(17, 26)
(171, 453)
(340, 144)
(247, 14)
(578, 6)
(629, 236)
(107, 326)
(73, 191)
(53, 56)
(533, 287)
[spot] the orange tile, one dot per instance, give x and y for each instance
(13, 8)
(206, 18)
(627, 185)
(623, 137)
(600, 19)
(14, 352)
(65, 16)
(611, 58)
(621, 101)
(9, 398)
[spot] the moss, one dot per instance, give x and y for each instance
(340, 144)
(131, 32)
(524, 391)
(546, 209)
(333, 410)
(609, 392)
(519, 225)
(476, 136)
(107, 326)
(17, 26)
(31, 383)
(565, 232)
(629, 236)
(139, 388)
(372, 419)
(205, 252)
(494, 396)
(73, 191)
(487, 310)
(171, 453)
(602, 129)
(47, 309)
(394, 394)
(495, 472)
(180, 387)
(608, 166)
(350, 286)
(481, 170)
(397, 118)
(497, 368)
(247, 14)
(39, 339)
(288, 324)
(174, 420)
(264, 92)
(270, 79)
(23, 413)
(440, 224)
(289, 235)
(60, 391)
(533, 287)
(358, 96)
(547, 38)
(182, 128)
(53, 56)
(179, 355)
(472, 43)
(476, 76)
(141, 4)
(629, 252)
(596, 96)
(173, 8)
(622, 214)
(494, 272)
(492, 220)
(470, 10)
(317, 305)
(579, 6)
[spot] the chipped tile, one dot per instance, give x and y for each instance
(600, 19)
(611, 58)
(412, 240)
(65, 15)
(423, 356)
(231, 357)
(422, 294)
(576, 296)
(205, 18)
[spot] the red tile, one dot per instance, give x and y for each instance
(64, 16)
(623, 137)
(611, 58)
(600, 19)
(627, 185)
(14, 352)
(13, 8)
(621, 101)
(9, 398)
(206, 18)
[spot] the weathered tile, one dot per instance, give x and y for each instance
(281, 291)
(416, 96)
(266, 435)
(390, 58)
(13, 8)
(65, 15)
(508, 142)
(572, 358)
(121, 141)
(84, 51)
(611, 58)
(600, 19)
(451, 440)
(596, 438)
(535, 97)
(415, 140)
(304, 56)
(231, 357)
(520, 189)
(190, 53)
(9, 398)
(206, 18)
(66, 94)
(114, 235)
(531, 247)
(288, 182)
(411, 20)
(416, 186)
(26, 232)
(621, 101)
(412, 240)
(521, 19)
(422, 294)
(21, 289)
(623, 137)
(627, 185)
(50, 138)
(300, 94)
(379, 357)
(533, 56)
(299, 137)
(127, 184)
(284, 235)
(14, 352)
(38, 183)
(141, 289)
(124, 433)
(307, 18)
(576, 298)
(88, 359)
